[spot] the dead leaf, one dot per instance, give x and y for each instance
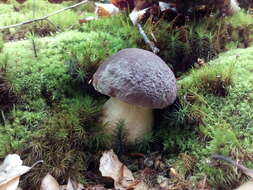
(63, 187)
(110, 166)
(87, 19)
(246, 186)
(136, 15)
(10, 185)
(105, 10)
(124, 4)
(10, 171)
(49, 183)
(96, 187)
(72, 185)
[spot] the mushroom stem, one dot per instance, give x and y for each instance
(138, 119)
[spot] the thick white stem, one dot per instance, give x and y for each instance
(138, 119)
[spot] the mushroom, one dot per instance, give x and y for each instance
(137, 81)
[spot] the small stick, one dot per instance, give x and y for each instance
(245, 170)
(3, 116)
(34, 48)
(147, 41)
(44, 17)
(204, 183)
(39, 161)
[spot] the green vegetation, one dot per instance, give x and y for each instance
(15, 13)
(51, 112)
(212, 123)
(200, 38)
(55, 104)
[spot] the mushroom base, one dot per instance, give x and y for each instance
(138, 119)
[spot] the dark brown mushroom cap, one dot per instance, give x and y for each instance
(136, 76)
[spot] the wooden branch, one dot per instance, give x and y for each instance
(245, 170)
(147, 40)
(44, 17)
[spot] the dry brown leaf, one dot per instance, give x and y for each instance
(10, 171)
(246, 186)
(10, 185)
(63, 187)
(87, 19)
(72, 185)
(96, 187)
(49, 183)
(110, 166)
(136, 15)
(124, 4)
(105, 10)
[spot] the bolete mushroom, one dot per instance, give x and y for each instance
(138, 81)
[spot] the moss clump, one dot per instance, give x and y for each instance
(102, 41)
(225, 121)
(182, 45)
(61, 59)
(66, 141)
(14, 13)
(8, 96)
(55, 112)
(215, 79)
(1, 44)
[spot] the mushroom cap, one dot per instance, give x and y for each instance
(137, 76)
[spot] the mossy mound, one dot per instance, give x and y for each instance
(57, 109)
(214, 117)
(55, 99)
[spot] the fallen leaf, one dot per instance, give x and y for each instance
(63, 187)
(49, 183)
(96, 187)
(10, 171)
(136, 15)
(72, 185)
(110, 166)
(246, 186)
(105, 10)
(10, 185)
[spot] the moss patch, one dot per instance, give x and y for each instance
(226, 120)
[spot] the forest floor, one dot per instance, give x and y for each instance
(50, 112)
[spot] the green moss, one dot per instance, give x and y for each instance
(122, 28)
(226, 120)
(67, 140)
(239, 19)
(1, 44)
(48, 72)
(213, 114)
(53, 113)
(15, 12)
(12, 136)
(215, 78)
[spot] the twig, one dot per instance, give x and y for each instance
(3, 117)
(39, 161)
(147, 41)
(44, 17)
(33, 41)
(245, 170)
(34, 48)
(204, 183)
